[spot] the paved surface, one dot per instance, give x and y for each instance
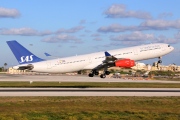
(89, 92)
(82, 91)
(67, 78)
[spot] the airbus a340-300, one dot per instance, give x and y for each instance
(124, 57)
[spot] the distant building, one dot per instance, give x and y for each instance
(13, 71)
(140, 66)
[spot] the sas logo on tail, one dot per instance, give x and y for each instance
(26, 59)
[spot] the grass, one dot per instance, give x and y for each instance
(166, 79)
(90, 84)
(89, 108)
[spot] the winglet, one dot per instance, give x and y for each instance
(107, 54)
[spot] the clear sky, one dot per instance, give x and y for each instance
(73, 27)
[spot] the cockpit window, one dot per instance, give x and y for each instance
(168, 45)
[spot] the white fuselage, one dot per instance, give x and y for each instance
(90, 61)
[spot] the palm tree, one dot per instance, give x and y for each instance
(5, 64)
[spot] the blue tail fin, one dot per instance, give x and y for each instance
(22, 55)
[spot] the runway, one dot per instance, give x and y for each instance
(82, 91)
(71, 78)
(90, 92)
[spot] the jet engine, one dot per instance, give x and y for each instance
(125, 63)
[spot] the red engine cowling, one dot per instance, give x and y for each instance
(126, 63)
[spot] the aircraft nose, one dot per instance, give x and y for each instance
(172, 48)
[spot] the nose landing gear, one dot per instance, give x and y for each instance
(159, 62)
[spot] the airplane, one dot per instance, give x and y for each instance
(124, 57)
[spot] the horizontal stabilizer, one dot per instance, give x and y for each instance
(47, 54)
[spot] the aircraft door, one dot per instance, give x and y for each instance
(135, 52)
(90, 60)
(49, 65)
(163, 48)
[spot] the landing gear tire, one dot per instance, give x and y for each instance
(93, 72)
(159, 61)
(107, 72)
(91, 75)
(103, 76)
(96, 73)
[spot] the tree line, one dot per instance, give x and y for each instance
(3, 69)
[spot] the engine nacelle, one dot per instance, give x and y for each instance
(125, 63)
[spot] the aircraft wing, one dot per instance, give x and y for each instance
(111, 61)
(109, 58)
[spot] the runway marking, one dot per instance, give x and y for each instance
(86, 90)
(89, 92)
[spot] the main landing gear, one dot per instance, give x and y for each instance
(104, 74)
(95, 72)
